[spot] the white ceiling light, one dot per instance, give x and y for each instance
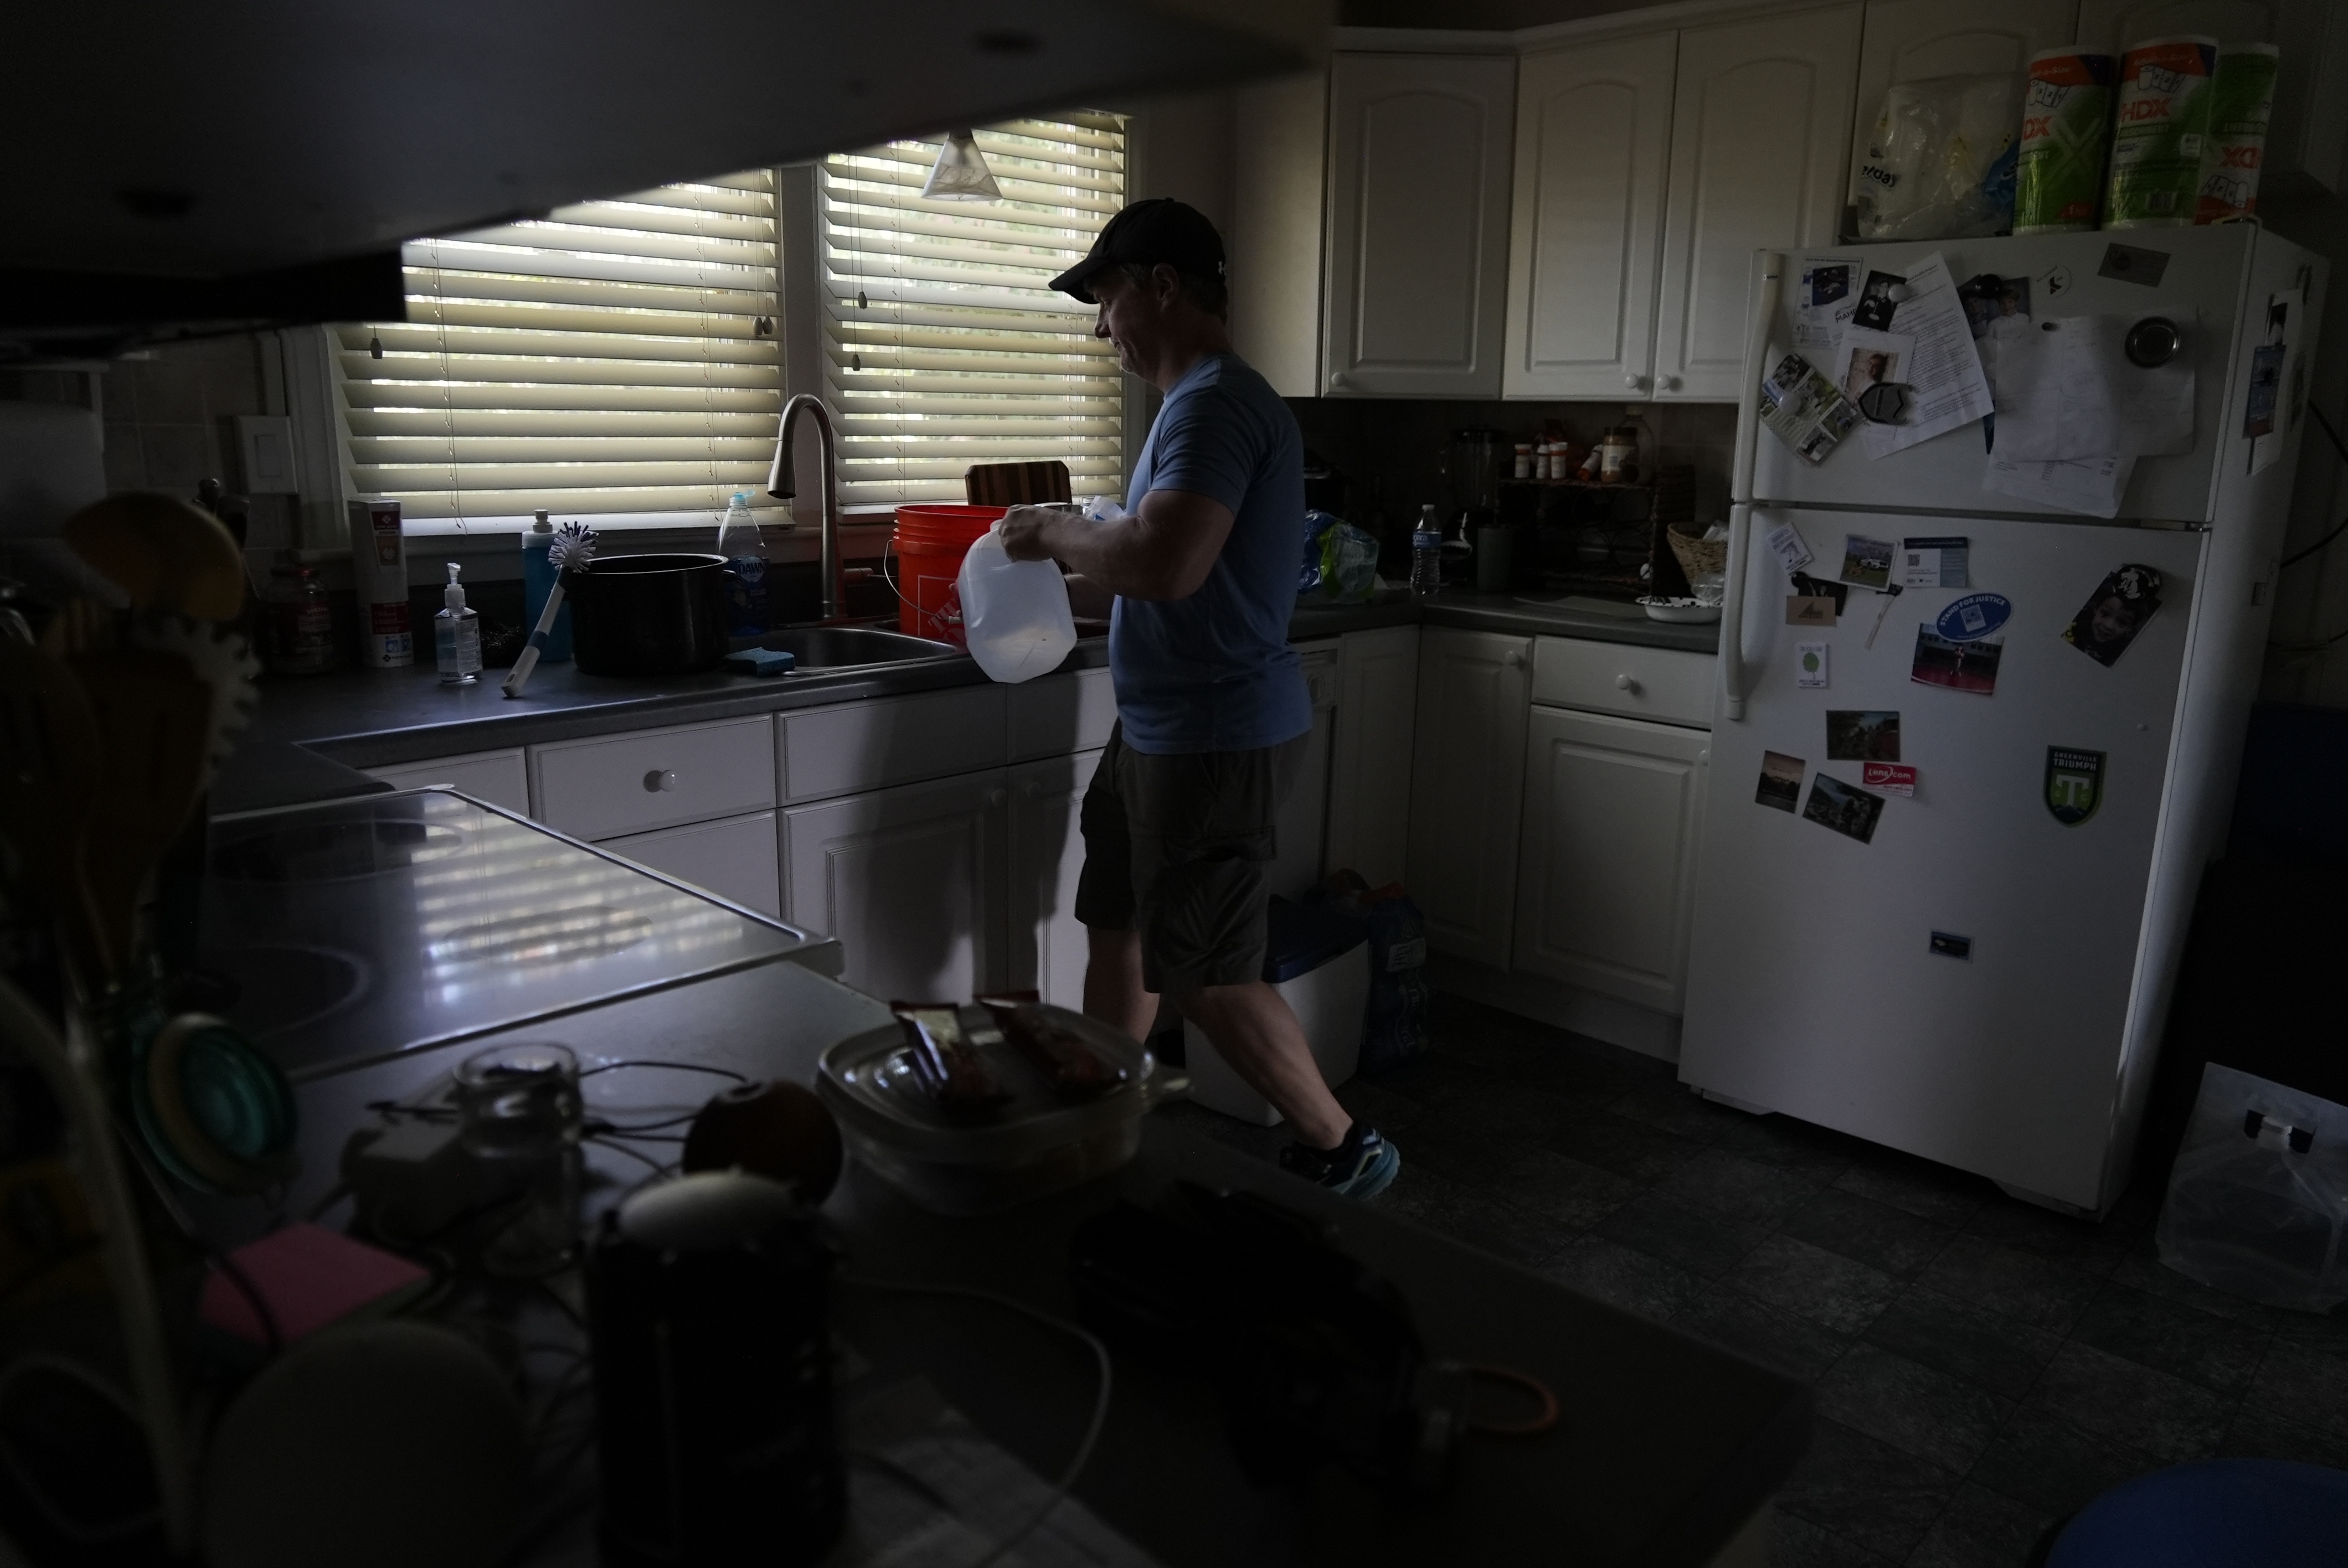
(960, 173)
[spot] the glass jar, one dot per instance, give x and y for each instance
(301, 622)
(519, 1117)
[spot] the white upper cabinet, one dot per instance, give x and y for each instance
(2310, 107)
(1418, 224)
(1593, 143)
(1909, 40)
(1760, 129)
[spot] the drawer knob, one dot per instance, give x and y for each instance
(659, 779)
(1624, 683)
(1634, 381)
(997, 797)
(1514, 659)
(1032, 790)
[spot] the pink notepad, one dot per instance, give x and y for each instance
(310, 1276)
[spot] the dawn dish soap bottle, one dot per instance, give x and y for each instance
(538, 575)
(746, 569)
(457, 635)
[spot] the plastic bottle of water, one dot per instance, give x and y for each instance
(746, 560)
(1426, 555)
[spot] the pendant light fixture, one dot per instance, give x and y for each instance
(960, 173)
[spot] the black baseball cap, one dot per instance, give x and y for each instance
(1148, 232)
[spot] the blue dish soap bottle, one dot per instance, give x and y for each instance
(538, 575)
(746, 565)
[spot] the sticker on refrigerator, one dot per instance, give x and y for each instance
(1785, 542)
(1973, 617)
(2115, 613)
(2075, 783)
(1803, 610)
(1781, 782)
(1935, 563)
(1829, 292)
(1810, 666)
(1891, 778)
(1849, 810)
(1862, 735)
(1866, 563)
(1959, 666)
(1949, 945)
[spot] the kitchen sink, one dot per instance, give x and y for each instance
(847, 647)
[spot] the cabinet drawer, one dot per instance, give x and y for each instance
(656, 778)
(500, 778)
(869, 745)
(737, 858)
(1061, 714)
(1666, 684)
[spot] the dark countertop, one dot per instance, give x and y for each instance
(310, 735)
(1667, 1445)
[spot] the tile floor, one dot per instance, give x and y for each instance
(1982, 1367)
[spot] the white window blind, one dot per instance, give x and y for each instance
(943, 345)
(617, 358)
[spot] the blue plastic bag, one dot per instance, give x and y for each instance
(1341, 562)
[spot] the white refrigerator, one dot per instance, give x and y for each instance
(1979, 972)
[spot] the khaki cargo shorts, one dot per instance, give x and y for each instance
(1175, 849)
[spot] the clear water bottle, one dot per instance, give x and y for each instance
(746, 565)
(1426, 555)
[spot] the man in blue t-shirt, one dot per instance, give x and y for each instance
(1213, 713)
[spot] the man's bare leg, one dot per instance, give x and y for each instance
(1258, 1035)
(1114, 993)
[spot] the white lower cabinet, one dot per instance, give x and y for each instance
(1049, 948)
(1302, 825)
(912, 881)
(734, 858)
(1369, 756)
(1614, 814)
(1475, 690)
(500, 778)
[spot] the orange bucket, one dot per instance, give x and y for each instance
(930, 539)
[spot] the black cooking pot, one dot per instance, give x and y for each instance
(649, 615)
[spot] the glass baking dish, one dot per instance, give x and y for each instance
(1037, 1143)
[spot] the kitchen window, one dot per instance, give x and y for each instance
(616, 359)
(943, 345)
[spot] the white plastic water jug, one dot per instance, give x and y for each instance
(1014, 614)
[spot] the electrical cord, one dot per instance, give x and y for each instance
(2341, 447)
(1100, 1402)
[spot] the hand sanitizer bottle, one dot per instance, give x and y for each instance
(746, 564)
(457, 635)
(538, 575)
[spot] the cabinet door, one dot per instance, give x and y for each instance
(1593, 139)
(734, 858)
(2309, 124)
(1418, 224)
(1278, 207)
(1048, 946)
(1466, 784)
(911, 882)
(1300, 829)
(1909, 40)
(1760, 127)
(500, 778)
(1370, 760)
(1613, 812)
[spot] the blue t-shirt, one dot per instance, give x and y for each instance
(1214, 673)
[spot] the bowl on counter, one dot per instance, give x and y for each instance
(1035, 1145)
(1679, 611)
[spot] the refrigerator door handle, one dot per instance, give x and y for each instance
(1762, 315)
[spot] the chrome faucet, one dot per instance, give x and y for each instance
(782, 485)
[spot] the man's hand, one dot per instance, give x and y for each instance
(1026, 531)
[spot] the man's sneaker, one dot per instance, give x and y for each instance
(1362, 1166)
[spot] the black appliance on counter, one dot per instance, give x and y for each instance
(707, 1301)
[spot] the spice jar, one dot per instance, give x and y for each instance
(1618, 449)
(1522, 469)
